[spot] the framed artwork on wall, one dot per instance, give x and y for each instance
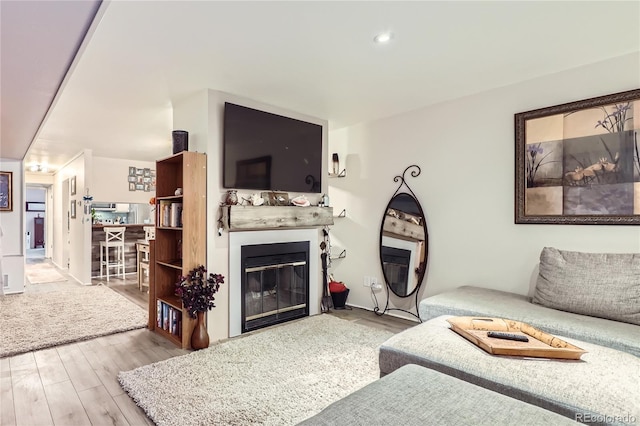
(6, 191)
(72, 209)
(579, 163)
(72, 186)
(35, 206)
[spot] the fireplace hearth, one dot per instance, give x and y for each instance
(274, 283)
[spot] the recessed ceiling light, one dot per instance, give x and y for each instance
(383, 38)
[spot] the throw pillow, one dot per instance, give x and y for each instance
(605, 285)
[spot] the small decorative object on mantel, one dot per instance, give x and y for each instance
(232, 197)
(256, 200)
(196, 291)
(300, 201)
(276, 198)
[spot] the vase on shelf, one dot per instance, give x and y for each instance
(200, 337)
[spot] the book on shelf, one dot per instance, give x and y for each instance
(159, 314)
(175, 216)
(170, 214)
(169, 318)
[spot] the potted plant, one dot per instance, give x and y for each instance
(197, 291)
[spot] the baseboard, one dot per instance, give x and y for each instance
(410, 318)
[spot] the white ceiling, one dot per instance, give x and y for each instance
(316, 58)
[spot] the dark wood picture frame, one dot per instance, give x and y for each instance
(72, 209)
(6, 191)
(579, 163)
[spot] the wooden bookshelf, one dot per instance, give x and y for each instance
(180, 243)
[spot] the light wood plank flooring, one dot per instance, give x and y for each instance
(76, 384)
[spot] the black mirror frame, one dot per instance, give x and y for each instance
(422, 269)
(414, 172)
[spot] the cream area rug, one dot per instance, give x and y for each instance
(43, 273)
(31, 321)
(279, 376)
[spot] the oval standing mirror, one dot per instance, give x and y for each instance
(404, 241)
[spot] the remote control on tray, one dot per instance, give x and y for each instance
(507, 336)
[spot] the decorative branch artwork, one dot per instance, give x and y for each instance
(579, 163)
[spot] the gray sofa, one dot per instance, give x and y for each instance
(417, 396)
(592, 300)
(473, 301)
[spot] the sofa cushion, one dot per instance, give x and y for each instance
(602, 285)
(469, 300)
(414, 395)
(603, 384)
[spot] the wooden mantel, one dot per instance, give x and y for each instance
(251, 218)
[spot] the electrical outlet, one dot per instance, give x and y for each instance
(366, 281)
(375, 285)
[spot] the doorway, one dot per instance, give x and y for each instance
(37, 223)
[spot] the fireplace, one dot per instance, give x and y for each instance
(274, 276)
(399, 259)
(275, 283)
(395, 263)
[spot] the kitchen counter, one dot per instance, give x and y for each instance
(133, 233)
(127, 225)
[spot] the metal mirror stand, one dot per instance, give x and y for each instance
(404, 245)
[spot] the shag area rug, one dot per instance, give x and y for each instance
(279, 376)
(31, 321)
(43, 273)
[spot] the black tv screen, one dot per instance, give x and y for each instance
(270, 152)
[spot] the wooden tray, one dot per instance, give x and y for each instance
(540, 344)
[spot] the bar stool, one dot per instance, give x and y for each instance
(142, 255)
(114, 238)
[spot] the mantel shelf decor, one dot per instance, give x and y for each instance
(579, 163)
(247, 218)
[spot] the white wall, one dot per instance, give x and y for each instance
(12, 247)
(109, 181)
(465, 149)
(205, 135)
(78, 237)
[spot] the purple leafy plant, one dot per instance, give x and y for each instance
(197, 290)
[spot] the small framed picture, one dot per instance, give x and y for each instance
(72, 186)
(72, 209)
(6, 191)
(132, 178)
(132, 186)
(132, 171)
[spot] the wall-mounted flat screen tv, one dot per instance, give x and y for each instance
(266, 151)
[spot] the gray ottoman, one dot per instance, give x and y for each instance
(601, 388)
(414, 395)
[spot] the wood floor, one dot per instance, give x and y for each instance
(76, 384)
